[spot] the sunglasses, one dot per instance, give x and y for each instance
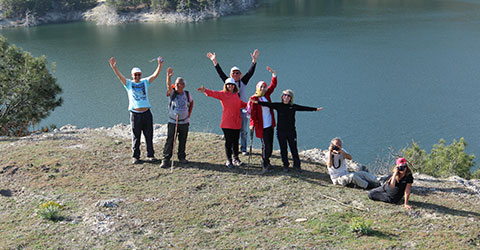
(236, 73)
(137, 74)
(287, 95)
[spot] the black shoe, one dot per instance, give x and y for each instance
(372, 185)
(183, 161)
(135, 160)
(298, 170)
(152, 159)
(165, 164)
(229, 164)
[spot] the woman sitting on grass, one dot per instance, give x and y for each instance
(396, 186)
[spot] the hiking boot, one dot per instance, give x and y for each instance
(152, 159)
(237, 162)
(183, 161)
(135, 160)
(229, 164)
(165, 164)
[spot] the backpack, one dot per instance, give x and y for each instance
(172, 97)
(175, 93)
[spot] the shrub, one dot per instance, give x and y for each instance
(443, 160)
(50, 211)
(28, 92)
(360, 226)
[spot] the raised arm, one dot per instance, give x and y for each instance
(157, 71)
(113, 65)
(211, 93)
(169, 81)
(213, 58)
(251, 70)
(273, 83)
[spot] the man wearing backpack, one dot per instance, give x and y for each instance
(179, 110)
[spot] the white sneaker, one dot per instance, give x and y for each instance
(237, 162)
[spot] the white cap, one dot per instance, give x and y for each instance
(234, 68)
(230, 81)
(136, 70)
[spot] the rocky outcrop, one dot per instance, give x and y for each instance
(102, 14)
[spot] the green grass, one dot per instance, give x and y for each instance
(203, 205)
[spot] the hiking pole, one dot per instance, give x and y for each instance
(174, 140)
(251, 145)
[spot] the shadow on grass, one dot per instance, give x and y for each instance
(6, 193)
(443, 209)
(312, 177)
(382, 235)
(424, 191)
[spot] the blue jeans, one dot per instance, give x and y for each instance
(244, 132)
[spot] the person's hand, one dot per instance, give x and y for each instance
(113, 62)
(212, 57)
(408, 207)
(201, 89)
(318, 109)
(251, 127)
(255, 55)
(271, 70)
(160, 60)
(330, 148)
(169, 72)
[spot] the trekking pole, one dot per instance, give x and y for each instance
(251, 145)
(174, 140)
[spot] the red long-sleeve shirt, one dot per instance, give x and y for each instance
(256, 117)
(231, 105)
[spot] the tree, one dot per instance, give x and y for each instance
(443, 160)
(28, 92)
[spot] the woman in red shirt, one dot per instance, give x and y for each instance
(262, 118)
(231, 120)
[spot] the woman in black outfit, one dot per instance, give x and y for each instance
(286, 132)
(397, 185)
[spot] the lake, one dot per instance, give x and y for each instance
(386, 72)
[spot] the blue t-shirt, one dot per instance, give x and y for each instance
(137, 94)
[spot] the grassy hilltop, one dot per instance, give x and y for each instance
(110, 204)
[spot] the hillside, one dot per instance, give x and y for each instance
(109, 203)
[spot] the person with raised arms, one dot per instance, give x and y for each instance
(262, 119)
(180, 108)
(141, 119)
(231, 119)
(286, 131)
(241, 82)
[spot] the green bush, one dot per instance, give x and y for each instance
(50, 211)
(28, 92)
(443, 160)
(360, 226)
(18, 8)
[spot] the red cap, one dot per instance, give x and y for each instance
(401, 161)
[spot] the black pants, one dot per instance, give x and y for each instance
(231, 142)
(142, 122)
(380, 194)
(267, 145)
(289, 137)
(182, 131)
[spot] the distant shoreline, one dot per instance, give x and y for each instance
(102, 14)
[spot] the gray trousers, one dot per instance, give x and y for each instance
(359, 178)
(182, 132)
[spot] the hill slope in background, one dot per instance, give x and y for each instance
(109, 203)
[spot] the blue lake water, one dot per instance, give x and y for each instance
(386, 72)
